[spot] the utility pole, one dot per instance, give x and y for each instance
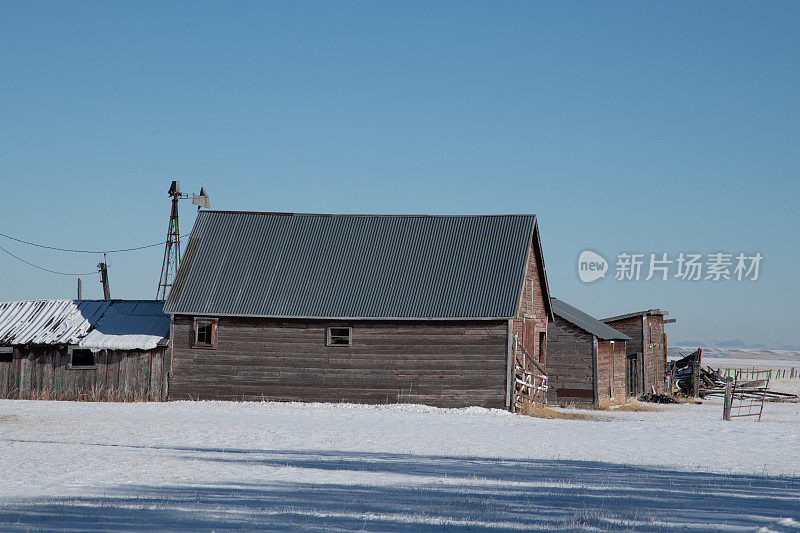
(80, 289)
(103, 269)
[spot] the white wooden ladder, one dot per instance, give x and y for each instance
(530, 379)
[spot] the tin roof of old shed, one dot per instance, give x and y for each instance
(586, 322)
(91, 324)
(648, 312)
(354, 266)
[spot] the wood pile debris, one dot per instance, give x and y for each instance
(712, 382)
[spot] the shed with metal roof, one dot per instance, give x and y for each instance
(585, 358)
(363, 308)
(84, 349)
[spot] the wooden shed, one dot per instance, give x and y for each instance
(646, 361)
(84, 350)
(357, 308)
(585, 358)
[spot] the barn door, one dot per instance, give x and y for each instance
(529, 338)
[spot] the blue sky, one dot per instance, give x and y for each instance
(628, 126)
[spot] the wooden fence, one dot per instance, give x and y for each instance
(46, 372)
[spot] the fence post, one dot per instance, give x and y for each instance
(726, 407)
(695, 379)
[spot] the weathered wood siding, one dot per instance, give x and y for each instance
(43, 372)
(441, 363)
(647, 333)
(656, 353)
(570, 367)
(532, 311)
(611, 370)
(632, 327)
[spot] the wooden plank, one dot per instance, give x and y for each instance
(143, 381)
(583, 394)
(595, 375)
(123, 388)
(5, 370)
(510, 364)
(331, 394)
(112, 374)
(154, 384)
(166, 372)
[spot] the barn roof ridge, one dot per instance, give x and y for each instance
(386, 215)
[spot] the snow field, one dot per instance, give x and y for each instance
(226, 465)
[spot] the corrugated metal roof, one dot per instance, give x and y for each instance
(648, 312)
(92, 324)
(353, 266)
(586, 322)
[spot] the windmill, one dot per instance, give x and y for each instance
(172, 246)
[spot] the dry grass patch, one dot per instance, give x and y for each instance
(635, 407)
(630, 405)
(549, 412)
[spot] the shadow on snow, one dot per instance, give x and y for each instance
(452, 493)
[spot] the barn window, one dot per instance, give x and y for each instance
(82, 359)
(338, 336)
(6, 354)
(205, 332)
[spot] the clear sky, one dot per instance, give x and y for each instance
(650, 127)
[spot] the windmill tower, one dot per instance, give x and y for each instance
(172, 246)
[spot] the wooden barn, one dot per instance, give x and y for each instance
(358, 308)
(84, 350)
(646, 361)
(585, 358)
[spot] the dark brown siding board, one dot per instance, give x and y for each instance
(430, 396)
(154, 383)
(582, 394)
(595, 372)
(166, 369)
(15, 384)
(427, 362)
(509, 365)
(4, 371)
(570, 363)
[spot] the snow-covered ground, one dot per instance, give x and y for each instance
(736, 352)
(272, 466)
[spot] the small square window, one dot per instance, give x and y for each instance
(82, 359)
(6, 354)
(338, 336)
(205, 332)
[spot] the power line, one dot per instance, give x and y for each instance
(46, 269)
(85, 251)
